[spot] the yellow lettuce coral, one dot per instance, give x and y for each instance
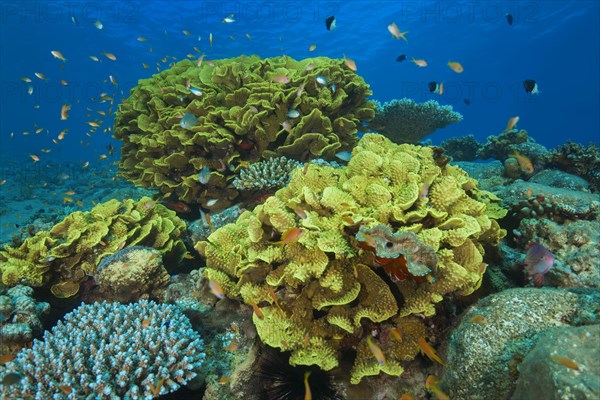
(340, 251)
(244, 114)
(67, 254)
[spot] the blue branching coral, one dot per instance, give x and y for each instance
(405, 121)
(108, 351)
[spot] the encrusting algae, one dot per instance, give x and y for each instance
(364, 228)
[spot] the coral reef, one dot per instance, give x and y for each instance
(464, 148)
(577, 159)
(503, 145)
(405, 121)
(131, 274)
(242, 110)
(20, 318)
(266, 176)
(67, 254)
(493, 337)
(546, 373)
(106, 351)
(323, 292)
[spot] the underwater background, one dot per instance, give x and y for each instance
(300, 199)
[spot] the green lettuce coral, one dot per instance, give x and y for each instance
(339, 279)
(67, 254)
(247, 109)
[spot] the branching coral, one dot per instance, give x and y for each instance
(405, 121)
(323, 292)
(577, 159)
(65, 255)
(245, 109)
(107, 351)
(265, 176)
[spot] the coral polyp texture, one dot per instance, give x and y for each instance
(20, 318)
(405, 121)
(339, 252)
(67, 254)
(237, 111)
(267, 175)
(108, 351)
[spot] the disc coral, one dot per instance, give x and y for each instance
(365, 228)
(243, 115)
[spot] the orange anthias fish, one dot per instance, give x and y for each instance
(281, 79)
(216, 289)
(350, 63)
(64, 111)
(292, 235)
(567, 362)
(524, 162)
(538, 262)
(432, 384)
(456, 66)
(512, 122)
(57, 54)
(379, 356)
(428, 350)
(110, 56)
(393, 29)
(420, 62)
(312, 47)
(258, 311)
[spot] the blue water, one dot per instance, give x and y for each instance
(554, 42)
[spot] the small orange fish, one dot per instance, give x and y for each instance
(432, 384)
(565, 361)
(312, 47)
(79, 203)
(110, 56)
(281, 79)
(64, 111)
(272, 293)
(292, 235)
(70, 193)
(141, 39)
(34, 158)
(57, 54)
(393, 29)
(102, 157)
(300, 213)
(67, 200)
(233, 346)
(350, 63)
(512, 122)
(258, 311)
(93, 124)
(2, 182)
(6, 358)
(62, 134)
(210, 39)
(477, 319)
(66, 389)
(407, 396)
(94, 58)
(224, 380)
(146, 323)
(419, 62)
(305, 169)
(379, 356)
(216, 289)
(456, 66)
(428, 350)
(41, 76)
(524, 162)
(63, 82)
(396, 333)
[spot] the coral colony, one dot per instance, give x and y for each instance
(103, 350)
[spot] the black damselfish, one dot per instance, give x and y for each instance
(401, 57)
(330, 23)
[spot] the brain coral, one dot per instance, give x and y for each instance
(247, 109)
(64, 256)
(325, 292)
(109, 351)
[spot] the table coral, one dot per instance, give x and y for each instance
(244, 114)
(109, 351)
(405, 121)
(67, 254)
(324, 292)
